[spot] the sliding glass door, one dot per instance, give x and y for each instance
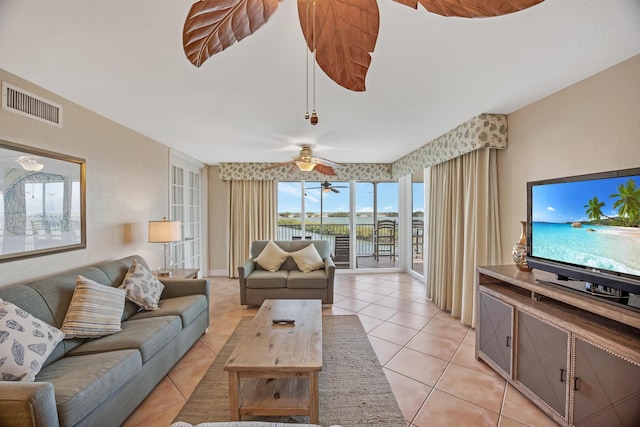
(326, 210)
(418, 223)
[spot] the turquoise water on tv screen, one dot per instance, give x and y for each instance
(602, 247)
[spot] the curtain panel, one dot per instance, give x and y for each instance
(463, 230)
(252, 216)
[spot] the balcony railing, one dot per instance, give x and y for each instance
(364, 234)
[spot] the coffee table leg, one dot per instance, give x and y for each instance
(234, 396)
(314, 413)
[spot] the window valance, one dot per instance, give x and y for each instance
(483, 131)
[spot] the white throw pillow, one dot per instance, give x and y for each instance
(307, 259)
(95, 310)
(25, 343)
(271, 257)
(142, 287)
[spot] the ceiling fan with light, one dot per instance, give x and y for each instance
(307, 162)
(327, 187)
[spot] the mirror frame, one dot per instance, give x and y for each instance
(51, 246)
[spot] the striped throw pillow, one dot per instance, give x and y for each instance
(95, 310)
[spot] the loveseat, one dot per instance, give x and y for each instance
(100, 381)
(288, 281)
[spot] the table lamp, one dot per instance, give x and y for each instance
(165, 232)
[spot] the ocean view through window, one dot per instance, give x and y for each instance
(310, 210)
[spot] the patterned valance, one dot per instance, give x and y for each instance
(351, 171)
(483, 131)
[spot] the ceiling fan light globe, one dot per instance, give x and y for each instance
(306, 166)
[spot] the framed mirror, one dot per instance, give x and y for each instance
(42, 202)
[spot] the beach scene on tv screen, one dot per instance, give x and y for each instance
(593, 223)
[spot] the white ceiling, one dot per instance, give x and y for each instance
(124, 60)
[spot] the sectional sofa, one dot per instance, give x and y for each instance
(100, 381)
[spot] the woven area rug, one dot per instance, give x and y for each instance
(353, 388)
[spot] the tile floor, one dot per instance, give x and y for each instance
(427, 355)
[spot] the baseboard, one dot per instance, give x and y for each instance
(224, 273)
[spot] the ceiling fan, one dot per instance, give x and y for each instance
(307, 162)
(327, 187)
(340, 33)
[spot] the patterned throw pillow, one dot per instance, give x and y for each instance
(95, 310)
(25, 343)
(307, 259)
(271, 257)
(142, 287)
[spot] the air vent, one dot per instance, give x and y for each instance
(30, 105)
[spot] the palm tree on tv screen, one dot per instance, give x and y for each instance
(628, 203)
(594, 209)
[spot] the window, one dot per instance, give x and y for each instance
(418, 223)
(322, 210)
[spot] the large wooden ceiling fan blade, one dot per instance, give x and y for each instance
(214, 25)
(325, 162)
(471, 8)
(345, 34)
(325, 170)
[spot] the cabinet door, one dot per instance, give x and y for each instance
(606, 388)
(542, 361)
(494, 331)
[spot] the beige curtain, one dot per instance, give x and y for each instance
(252, 216)
(463, 229)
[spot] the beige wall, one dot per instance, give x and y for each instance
(218, 224)
(127, 184)
(592, 126)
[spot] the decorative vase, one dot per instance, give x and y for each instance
(519, 250)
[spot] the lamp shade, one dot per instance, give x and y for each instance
(164, 231)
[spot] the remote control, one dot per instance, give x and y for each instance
(283, 321)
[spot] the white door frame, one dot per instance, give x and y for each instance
(187, 163)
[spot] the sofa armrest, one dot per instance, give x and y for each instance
(182, 287)
(330, 268)
(27, 404)
(244, 270)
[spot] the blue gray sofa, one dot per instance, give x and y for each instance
(100, 381)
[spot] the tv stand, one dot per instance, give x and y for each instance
(574, 356)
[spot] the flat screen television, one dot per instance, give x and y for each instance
(587, 228)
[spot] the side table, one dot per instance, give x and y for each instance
(180, 273)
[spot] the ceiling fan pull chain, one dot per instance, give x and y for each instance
(306, 55)
(314, 116)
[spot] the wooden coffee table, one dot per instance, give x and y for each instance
(274, 369)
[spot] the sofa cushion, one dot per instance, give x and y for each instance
(148, 336)
(95, 310)
(142, 287)
(261, 279)
(271, 257)
(187, 308)
(313, 280)
(25, 343)
(82, 383)
(307, 259)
